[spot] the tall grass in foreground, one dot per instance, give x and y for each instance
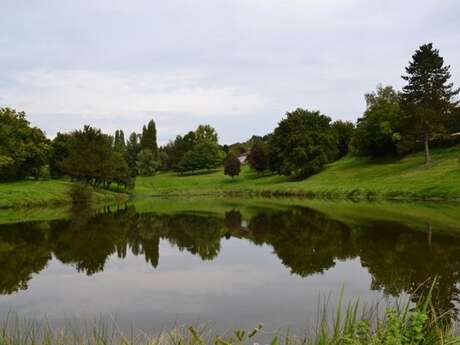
(397, 325)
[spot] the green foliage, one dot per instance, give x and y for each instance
(378, 132)
(302, 144)
(232, 166)
(344, 132)
(119, 143)
(194, 151)
(176, 150)
(60, 149)
(23, 149)
(133, 149)
(206, 133)
(148, 140)
(428, 96)
(93, 159)
(147, 163)
(258, 156)
(204, 155)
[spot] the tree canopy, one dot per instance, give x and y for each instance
(302, 143)
(24, 149)
(378, 131)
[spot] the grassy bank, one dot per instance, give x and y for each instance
(351, 177)
(31, 193)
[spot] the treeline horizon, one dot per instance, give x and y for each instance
(396, 122)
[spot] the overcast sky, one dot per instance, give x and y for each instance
(238, 65)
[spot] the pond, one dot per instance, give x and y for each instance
(231, 263)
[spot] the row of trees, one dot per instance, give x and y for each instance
(394, 123)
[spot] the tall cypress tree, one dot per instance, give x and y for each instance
(119, 141)
(428, 97)
(149, 138)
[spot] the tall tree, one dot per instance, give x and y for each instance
(133, 149)
(119, 143)
(428, 97)
(344, 131)
(60, 150)
(149, 138)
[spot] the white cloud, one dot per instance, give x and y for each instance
(94, 94)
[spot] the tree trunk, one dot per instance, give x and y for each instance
(427, 150)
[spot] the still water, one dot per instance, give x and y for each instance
(233, 263)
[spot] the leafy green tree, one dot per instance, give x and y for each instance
(147, 164)
(258, 156)
(133, 149)
(24, 150)
(121, 173)
(302, 143)
(206, 133)
(428, 97)
(205, 155)
(119, 143)
(89, 155)
(232, 166)
(60, 149)
(344, 131)
(93, 159)
(378, 132)
(176, 150)
(148, 140)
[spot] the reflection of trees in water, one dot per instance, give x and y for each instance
(24, 250)
(306, 241)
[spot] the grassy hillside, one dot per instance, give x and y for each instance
(352, 177)
(44, 193)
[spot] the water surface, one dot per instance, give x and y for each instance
(233, 263)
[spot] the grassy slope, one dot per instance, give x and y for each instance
(351, 176)
(43, 193)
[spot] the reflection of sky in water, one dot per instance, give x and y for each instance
(244, 285)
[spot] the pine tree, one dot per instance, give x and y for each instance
(428, 97)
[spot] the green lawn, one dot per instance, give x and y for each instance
(43, 193)
(406, 178)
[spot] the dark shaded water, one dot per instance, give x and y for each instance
(233, 265)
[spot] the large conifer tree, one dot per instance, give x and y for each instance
(428, 97)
